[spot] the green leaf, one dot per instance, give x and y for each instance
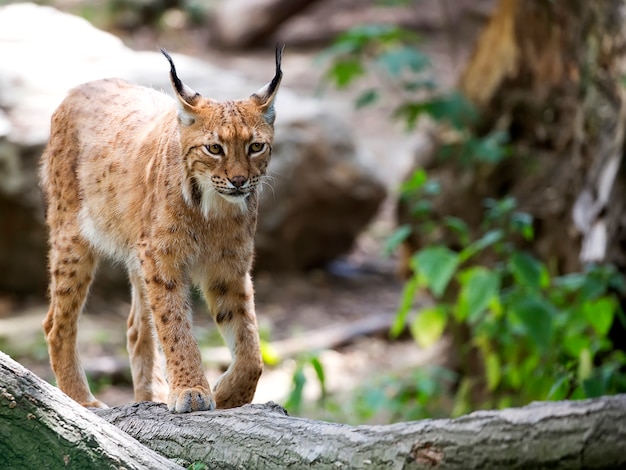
(479, 286)
(294, 401)
(459, 227)
(429, 325)
(408, 295)
(489, 149)
(436, 265)
(570, 282)
(493, 370)
(432, 187)
(319, 372)
(345, 71)
(600, 314)
(488, 239)
(452, 108)
(528, 271)
(415, 182)
(269, 354)
(536, 315)
(594, 387)
(422, 208)
(574, 343)
(585, 365)
(398, 59)
(367, 98)
(559, 389)
(522, 223)
(396, 238)
(363, 35)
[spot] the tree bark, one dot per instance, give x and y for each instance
(40, 426)
(583, 434)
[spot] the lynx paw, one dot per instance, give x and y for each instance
(94, 404)
(229, 394)
(185, 400)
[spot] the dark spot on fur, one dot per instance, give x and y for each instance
(224, 316)
(164, 319)
(196, 192)
(63, 291)
(219, 288)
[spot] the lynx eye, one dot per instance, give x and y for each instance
(256, 147)
(213, 149)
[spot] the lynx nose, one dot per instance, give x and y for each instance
(238, 181)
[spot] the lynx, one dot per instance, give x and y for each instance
(168, 187)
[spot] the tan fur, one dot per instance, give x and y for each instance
(126, 175)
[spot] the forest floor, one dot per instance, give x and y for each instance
(320, 309)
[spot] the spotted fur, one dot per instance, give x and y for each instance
(170, 189)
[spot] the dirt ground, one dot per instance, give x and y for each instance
(361, 286)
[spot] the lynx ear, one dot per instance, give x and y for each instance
(187, 97)
(264, 98)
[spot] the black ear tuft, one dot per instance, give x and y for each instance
(178, 85)
(183, 91)
(279, 73)
(264, 98)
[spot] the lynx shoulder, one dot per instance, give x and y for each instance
(168, 187)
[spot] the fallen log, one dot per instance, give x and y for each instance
(41, 427)
(577, 434)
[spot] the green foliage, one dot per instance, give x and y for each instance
(418, 394)
(295, 399)
(539, 337)
(390, 54)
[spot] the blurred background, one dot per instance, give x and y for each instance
(445, 227)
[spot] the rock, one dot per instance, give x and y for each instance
(321, 197)
(249, 23)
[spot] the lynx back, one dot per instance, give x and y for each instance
(170, 189)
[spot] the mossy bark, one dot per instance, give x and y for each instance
(40, 427)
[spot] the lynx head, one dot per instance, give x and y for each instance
(226, 146)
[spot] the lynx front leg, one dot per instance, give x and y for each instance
(167, 295)
(145, 364)
(232, 307)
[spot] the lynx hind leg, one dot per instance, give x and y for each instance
(72, 265)
(145, 358)
(232, 308)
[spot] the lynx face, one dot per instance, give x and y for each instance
(169, 188)
(226, 146)
(227, 150)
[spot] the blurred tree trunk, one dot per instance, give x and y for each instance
(549, 73)
(240, 24)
